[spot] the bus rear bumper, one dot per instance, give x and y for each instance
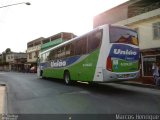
(113, 76)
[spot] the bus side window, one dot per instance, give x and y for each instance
(46, 56)
(81, 46)
(43, 57)
(94, 40)
(84, 45)
(77, 47)
(68, 50)
(55, 55)
(72, 49)
(58, 53)
(62, 52)
(50, 56)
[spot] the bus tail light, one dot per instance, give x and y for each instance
(109, 64)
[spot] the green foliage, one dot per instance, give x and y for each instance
(8, 50)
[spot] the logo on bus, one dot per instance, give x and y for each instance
(58, 63)
(126, 52)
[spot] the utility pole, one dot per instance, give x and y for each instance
(27, 3)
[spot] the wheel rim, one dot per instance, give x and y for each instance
(66, 78)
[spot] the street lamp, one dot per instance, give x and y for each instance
(27, 3)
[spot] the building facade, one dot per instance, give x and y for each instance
(42, 44)
(16, 61)
(33, 48)
(56, 39)
(144, 17)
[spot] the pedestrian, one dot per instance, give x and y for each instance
(156, 74)
(153, 67)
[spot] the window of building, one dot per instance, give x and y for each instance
(156, 30)
(142, 6)
(36, 54)
(29, 45)
(46, 40)
(30, 55)
(56, 37)
(37, 43)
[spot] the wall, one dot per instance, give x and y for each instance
(14, 56)
(32, 51)
(145, 31)
(116, 14)
(10, 57)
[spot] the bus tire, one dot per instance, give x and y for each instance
(67, 79)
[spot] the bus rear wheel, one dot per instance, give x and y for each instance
(67, 78)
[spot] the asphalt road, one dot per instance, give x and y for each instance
(29, 95)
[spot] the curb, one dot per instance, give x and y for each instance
(3, 98)
(140, 84)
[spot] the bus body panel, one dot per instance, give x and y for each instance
(53, 73)
(80, 67)
(104, 51)
(124, 66)
(85, 69)
(93, 66)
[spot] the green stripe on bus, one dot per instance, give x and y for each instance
(125, 66)
(83, 70)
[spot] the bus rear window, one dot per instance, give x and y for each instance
(123, 35)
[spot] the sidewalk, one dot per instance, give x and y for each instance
(2, 99)
(135, 83)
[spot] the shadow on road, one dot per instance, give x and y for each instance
(106, 88)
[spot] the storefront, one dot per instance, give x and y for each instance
(29, 67)
(148, 57)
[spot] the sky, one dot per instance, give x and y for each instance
(21, 23)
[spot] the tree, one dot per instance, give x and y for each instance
(3, 57)
(8, 50)
(4, 53)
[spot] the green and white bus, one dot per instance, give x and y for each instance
(106, 54)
